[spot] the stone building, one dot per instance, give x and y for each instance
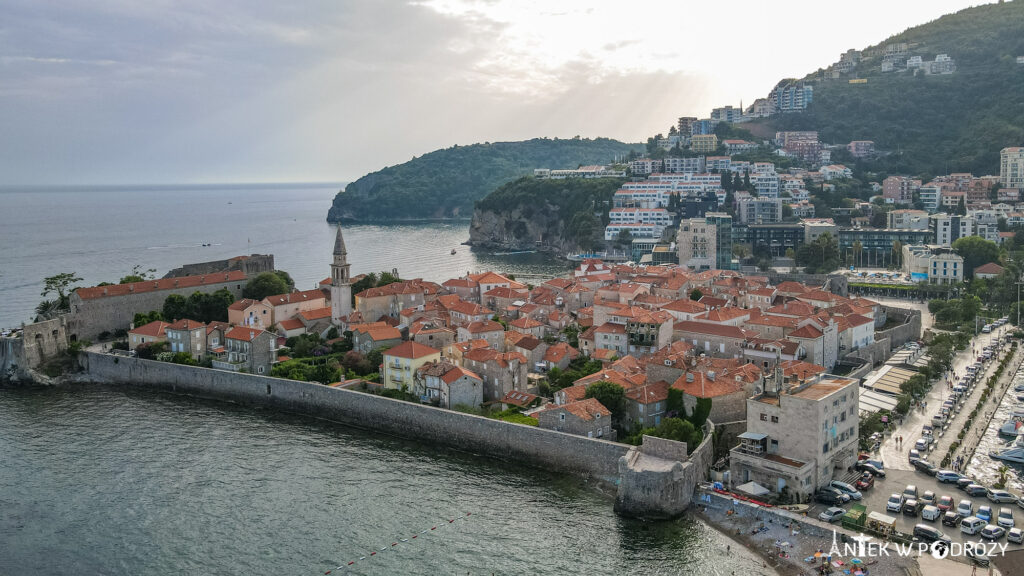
(147, 334)
(501, 372)
(799, 436)
(341, 282)
(252, 266)
(187, 336)
(584, 418)
(249, 312)
(448, 385)
(401, 363)
(247, 349)
(109, 308)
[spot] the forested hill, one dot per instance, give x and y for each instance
(446, 183)
(931, 124)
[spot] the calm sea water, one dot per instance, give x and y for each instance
(101, 233)
(104, 480)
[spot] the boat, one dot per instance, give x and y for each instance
(1019, 387)
(1011, 427)
(453, 251)
(1014, 453)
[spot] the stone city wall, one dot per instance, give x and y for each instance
(252, 265)
(516, 442)
(908, 331)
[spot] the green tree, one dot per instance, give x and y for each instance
(60, 284)
(287, 280)
(175, 307)
(266, 284)
(610, 395)
(138, 275)
(701, 411)
(975, 251)
(696, 294)
(819, 256)
(143, 318)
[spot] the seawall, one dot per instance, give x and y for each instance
(507, 441)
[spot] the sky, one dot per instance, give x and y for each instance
(189, 91)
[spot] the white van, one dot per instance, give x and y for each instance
(972, 525)
(930, 513)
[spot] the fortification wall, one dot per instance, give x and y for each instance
(526, 444)
(252, 265)
(657, 480)
(908, 331)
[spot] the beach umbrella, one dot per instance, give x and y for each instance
(857, 561)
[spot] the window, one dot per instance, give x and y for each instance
(824, 448)
(775, 419)
(562, 416)
(764, 417)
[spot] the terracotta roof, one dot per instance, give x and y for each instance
(525, 323)
(411, 350)
(710, 328)
(724, 314)
(460, 283)
(291, 324)
(503, 292)
(520, 399)
(485, 326)
(489, 278)
(316, 313)
(768, 320)
(155, 285)
(528, 343)
(802, 370)
(559, 283)
(649, 394)
(604, 354)
(468, 345)
(154, 329)
(304, 296)
(417, 286)
(610, 328)
(243, 304)
(684, 305)
(990, 268)
(587, 409)
(470, 309)
(556, 352)
(792, 288)
(703, 385)
(381, 333)
(186, 324)
(245, 333)
(791, 308)
(806, 331)
(222, 326)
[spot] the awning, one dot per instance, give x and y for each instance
(752, 436)
(753, 488)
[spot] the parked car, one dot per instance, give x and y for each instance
(846, 489)
(895, 503)
(921, 445)
(947, 476)
(971, 525)
(950, 519)
(985, 513)
(925, 466)
(964, 482)
(911, 506)
(910, 491)
(876, 463)
(1005, 518)
(831, 496)
(992, 532)
(832, 514)
(965, 508)
(914, 455)
(1015, 535)
(1000, 496)
(926, 533)
(930, 513)
(870, 468)
(975, 490)
(977, 554)
(928, 498)
(945, 503)
(866, 481)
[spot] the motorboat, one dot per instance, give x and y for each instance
(1011, 427)
(453, 251)
(1019, 387)
(1013, 453)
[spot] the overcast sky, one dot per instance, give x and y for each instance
(161, 91)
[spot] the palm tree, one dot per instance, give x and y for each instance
(1003, 470)
(897, 253)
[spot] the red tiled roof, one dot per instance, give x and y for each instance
(684, 305)
(154, 329)
(520, 399)
(155, 285)
(242, 304)
(293, 297)
(245, 333)
(556, 352)
(411, 350)
(990, 268)
(806, 331)
(458, 372)
(802, 370)
(186, 324)
(485, 326)
(709, 328)
(586, 409)
(701, 385)
(291, 324)
(656, 392)
(316, 313)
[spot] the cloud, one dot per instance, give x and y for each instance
(122, 91)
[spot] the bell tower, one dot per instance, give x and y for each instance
(341, 287)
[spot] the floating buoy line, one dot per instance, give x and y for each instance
(399, 541)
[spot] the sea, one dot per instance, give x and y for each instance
(102, 233)
(98, 479)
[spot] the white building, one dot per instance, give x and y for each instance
(697, 245)
(659, 216)
(932, 263)
(751, 210)
(930, 197)
(636, 230)
(1011, 167)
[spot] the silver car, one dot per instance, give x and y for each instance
(833, 514)
(1000, 496)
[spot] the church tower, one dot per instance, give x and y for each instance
(341, 288)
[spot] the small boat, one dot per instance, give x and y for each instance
(453, 251)
(1019, 387)
(1011, 427)
(1014, 453)
(1020, 397)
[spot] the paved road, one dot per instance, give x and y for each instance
(896, 457)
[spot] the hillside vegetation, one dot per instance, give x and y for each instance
(446, 183)
(931, 124)
(562, 215)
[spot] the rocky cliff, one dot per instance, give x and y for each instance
(560, 216)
